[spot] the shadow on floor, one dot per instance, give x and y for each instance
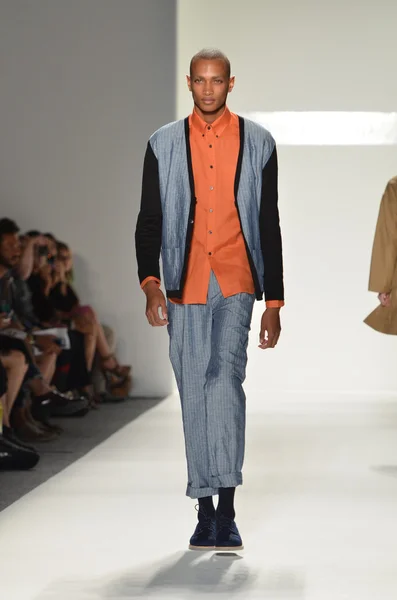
(195, 572)
(390, 470)
(188, 576)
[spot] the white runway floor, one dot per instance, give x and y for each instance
(317, 512)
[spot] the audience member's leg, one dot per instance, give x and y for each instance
(79, 376)
(98, 378)
(13, 454)
(47, 364)
(90, 342)
(3, 390)
(16, 367)
(109, 361)
(2, 405)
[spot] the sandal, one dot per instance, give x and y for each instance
(121, 371)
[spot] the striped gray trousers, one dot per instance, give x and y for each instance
(208, 352)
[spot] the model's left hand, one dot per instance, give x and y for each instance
(270, 328)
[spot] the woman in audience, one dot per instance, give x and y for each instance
(39, 270)
(67, 304)
(13, 337)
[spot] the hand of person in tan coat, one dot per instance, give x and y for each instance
(384, 299)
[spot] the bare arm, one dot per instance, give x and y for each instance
(26, 262)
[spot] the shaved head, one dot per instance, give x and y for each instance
(211, 54)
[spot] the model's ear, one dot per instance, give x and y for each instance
(231, 83)
(189, 83)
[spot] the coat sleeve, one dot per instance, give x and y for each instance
(269, 224)
(149, 224)
(384, 251)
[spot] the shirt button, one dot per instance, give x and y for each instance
(210, 232)
(211, 188)
(211, 167)
(209, 127)
(211, 210)
(210, 253)
(210, 145)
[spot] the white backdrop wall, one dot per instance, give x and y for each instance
(313, 56)
(83, 85)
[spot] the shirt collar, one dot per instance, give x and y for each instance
(217, 126)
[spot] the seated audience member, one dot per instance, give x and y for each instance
(73, 372)
(39, 311)
(49, 277)
(13, 337)
(67, 304)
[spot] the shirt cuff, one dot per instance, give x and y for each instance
(274, 303)
(145, 281)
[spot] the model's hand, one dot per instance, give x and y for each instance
(384, 299)
(155, 300)
(270, 328)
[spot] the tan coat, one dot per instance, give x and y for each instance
(383, 273)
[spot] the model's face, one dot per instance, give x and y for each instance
(210, 86)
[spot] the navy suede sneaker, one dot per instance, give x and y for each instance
(227, 534)
(204, 535)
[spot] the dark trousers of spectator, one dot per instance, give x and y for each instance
(72, 372)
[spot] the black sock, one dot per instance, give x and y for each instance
(207, 506)
(226, 502)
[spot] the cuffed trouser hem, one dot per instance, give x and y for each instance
(221, 481)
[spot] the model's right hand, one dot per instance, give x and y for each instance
(155, 300)
(384, 299)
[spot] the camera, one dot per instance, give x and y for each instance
(43, 251)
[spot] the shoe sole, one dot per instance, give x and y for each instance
(228, 548)
(216, 548)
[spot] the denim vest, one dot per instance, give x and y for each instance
(170, 145)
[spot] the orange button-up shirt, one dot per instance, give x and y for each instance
(217, 241)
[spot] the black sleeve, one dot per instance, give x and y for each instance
(269, 223)
(150, 219)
